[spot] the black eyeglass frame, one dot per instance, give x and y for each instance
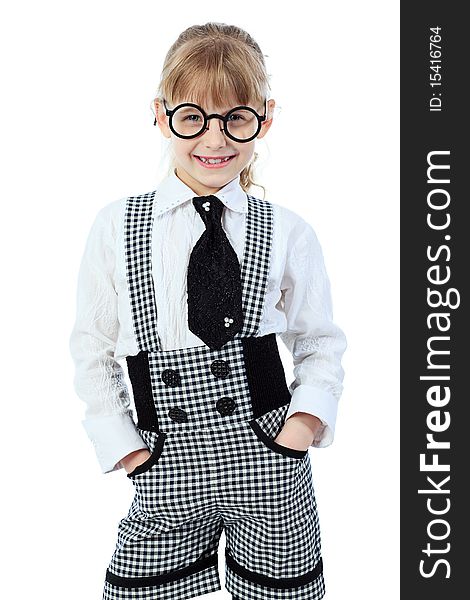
(224, 119)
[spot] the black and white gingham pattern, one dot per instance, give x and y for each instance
(199, 390)
(138, 224)
(255, 264)
(138, 248)
(213, 471)
(211, 479)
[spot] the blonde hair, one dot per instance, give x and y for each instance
(212, 61)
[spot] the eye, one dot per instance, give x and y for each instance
(192, 118)
(236, 117)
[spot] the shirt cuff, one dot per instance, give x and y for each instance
(320, 403)
(114, 437)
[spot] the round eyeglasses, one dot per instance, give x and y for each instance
(240, 124)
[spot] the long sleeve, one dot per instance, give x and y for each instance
(99, 379)
(314, 340)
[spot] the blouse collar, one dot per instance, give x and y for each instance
(172, 192)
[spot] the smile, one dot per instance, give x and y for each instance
(213, 162)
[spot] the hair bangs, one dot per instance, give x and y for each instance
(212, 77)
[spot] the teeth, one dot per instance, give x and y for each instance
(213, 161)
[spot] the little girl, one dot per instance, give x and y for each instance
(192, 283)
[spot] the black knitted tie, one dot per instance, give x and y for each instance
(214, 284)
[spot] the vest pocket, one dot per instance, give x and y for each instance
(152, 459)
(270, 443)
(267, 427)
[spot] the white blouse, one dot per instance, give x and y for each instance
(297, 307)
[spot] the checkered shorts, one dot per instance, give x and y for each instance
(196, 484)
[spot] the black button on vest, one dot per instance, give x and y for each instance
(214, 286)
(171, 377)
(178, 414)
(220, 368)
(225, 405)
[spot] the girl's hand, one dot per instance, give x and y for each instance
(299, 431)
(135, 458)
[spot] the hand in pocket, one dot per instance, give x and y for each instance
(132, 460)
(294, 435)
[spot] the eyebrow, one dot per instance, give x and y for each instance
(201, 104)
(225, 110)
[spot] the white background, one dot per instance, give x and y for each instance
(77, 133)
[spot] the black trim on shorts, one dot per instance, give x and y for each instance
(273, 582)
(134, 582)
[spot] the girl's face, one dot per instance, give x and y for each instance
(212, 143)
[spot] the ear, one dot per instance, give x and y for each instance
(162, 119)
(265, 125)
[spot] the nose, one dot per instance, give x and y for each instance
(214, 135)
